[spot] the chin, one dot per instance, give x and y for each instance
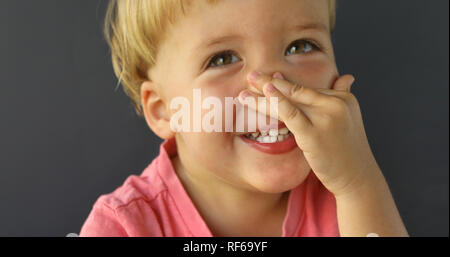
(278, 178)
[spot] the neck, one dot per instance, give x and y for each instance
(233, 211)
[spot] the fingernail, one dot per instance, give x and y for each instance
(278, 75)
(244, 94)
(254, 76)
(269, 88)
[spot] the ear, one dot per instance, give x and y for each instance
(155, 112)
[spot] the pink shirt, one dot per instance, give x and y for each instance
(156, 204)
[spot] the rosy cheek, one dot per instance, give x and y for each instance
(226, 84)
(213, 88)
(318, 74)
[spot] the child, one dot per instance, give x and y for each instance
(312, 175)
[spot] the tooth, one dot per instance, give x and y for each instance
(264, 133)
(283, 131)
(256, 134)
(273, 132)
(273, 139)
(266, 139)
(259, 139)
(280, 138)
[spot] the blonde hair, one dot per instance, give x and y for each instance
(134, 29)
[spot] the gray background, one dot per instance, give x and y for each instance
(67, 135)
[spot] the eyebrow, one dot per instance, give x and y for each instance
(301, 27)
(309, 26)
(220, 40)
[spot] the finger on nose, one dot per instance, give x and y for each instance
(278, 75)
(255, 90)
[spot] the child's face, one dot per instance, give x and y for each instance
(261, 36)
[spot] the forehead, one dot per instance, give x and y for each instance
(248, 18)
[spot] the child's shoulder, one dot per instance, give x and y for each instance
(144, 187)
(131, 209)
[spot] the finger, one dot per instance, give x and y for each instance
(255, 90)
(258, 106)
(332, 92)
(278, 75)
(292, 115)
(258, 79)
(254, 101)
(341, 88)
(293, 92)
(258, 110)
(344, 83)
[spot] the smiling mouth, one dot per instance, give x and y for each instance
(269, 137)
(273, 141)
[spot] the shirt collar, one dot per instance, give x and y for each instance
(185, 206)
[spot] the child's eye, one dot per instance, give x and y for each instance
(222, 59)
(301, 47)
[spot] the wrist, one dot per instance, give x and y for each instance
(368, 207)
(362, 183)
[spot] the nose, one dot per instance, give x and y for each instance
(276, 75)
(269, 65)
(273, 71)
(266, 61)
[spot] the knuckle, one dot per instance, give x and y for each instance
(338, 105)
(296, 90)
(292, 113)
(347, 96)
(281, 100)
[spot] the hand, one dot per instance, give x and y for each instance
(327, 126)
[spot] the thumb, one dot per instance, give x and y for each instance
(344, 83)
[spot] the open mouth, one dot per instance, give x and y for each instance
(272, 141)
(271, 136)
